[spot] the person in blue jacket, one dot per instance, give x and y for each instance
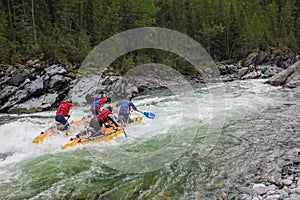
(124, 111)
(98, 103)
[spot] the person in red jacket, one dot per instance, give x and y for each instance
(98, 103)
(104, 116)
(63, 112)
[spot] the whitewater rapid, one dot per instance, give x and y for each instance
(213, 136)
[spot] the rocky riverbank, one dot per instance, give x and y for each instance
(32, 87)
(274, 181)
(37, 86)
(268, 61)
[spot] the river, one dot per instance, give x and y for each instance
(199, 145)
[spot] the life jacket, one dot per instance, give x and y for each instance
(64, 108)
(125, 105)
(103, 116)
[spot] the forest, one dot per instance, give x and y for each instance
(64, 31)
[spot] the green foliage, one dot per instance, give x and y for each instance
(3, 35)
(66, 30)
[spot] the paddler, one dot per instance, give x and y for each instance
(103, 117)
(98, 103)
(63, 112)
(124, 111)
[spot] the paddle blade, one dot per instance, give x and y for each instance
(149, 115)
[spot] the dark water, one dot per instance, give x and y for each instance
(195, 148)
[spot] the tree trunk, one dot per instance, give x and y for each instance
(10, 17)
(33, 22)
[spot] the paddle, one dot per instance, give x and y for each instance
(149, 115)
(123, 126)
(124, 132)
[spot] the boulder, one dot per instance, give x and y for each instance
(54, 69)
(85, 88)
(289, 77)
(33, 105)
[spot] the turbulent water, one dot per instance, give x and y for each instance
(199, 144)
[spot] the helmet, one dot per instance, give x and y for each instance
(68, 100)
(110, 108)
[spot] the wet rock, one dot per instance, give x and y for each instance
(273, 197)
(287, 182)
(293, 197)
(244, 197)
(245, 190)
(251, 75)
(283, 194)
(275, 178)
(290, 75)
(242, 72)
(294, 80)
(260, 189)
(227, 69)
(208, 71)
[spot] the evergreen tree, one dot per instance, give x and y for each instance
(66, 30)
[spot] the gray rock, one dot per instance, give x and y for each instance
(291, 74)
(244, 197)
(275, 178)
(245, 190)
(260, 189)
(18, 77)
(273, 197)
(293, 197)
(41, 103)
(250, 59)
(222, 69)
(10, 71)
(86, 87)
(251, 75)
(7, 92)
(58, 82)
(260, 58)
(232, 69)
(242, 72)
(282, 193)
(208, 71)
(54, 69)
(35, 86)
(271, 71)
(294, 80)
(15, 99)
(110, 80)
